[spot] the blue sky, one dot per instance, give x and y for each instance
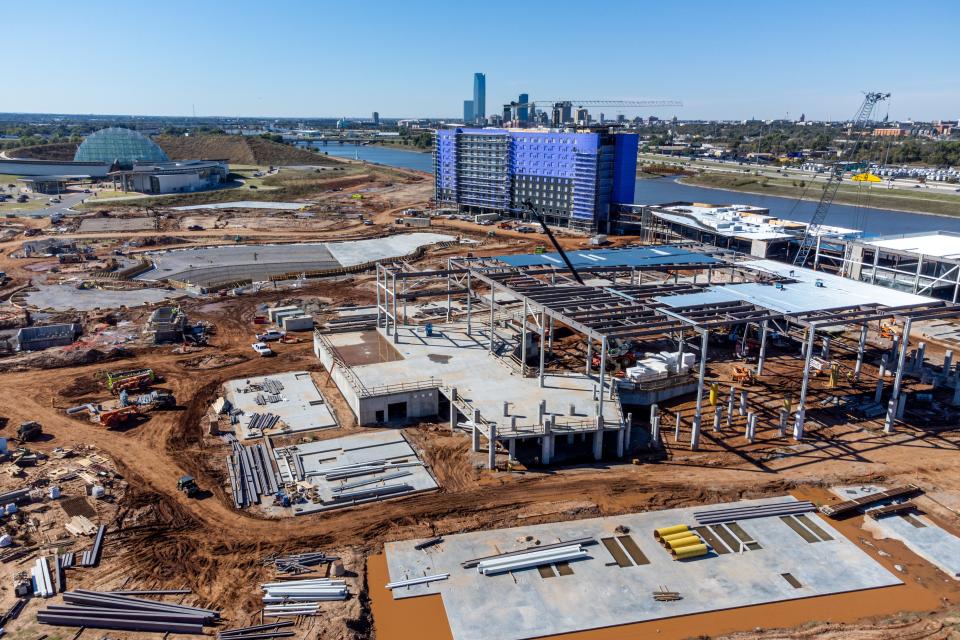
(412, 58)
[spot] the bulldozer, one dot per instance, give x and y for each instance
(188, 485)
(29, 431)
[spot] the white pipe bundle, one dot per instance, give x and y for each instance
(533, 559)
(304, 591)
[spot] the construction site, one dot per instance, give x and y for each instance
(462, 431)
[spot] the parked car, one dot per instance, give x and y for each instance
(525, 229)
(271, 335)
(194, 227)
(263, 349)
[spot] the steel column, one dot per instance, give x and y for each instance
(802, 406)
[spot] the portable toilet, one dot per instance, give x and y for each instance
(54, 492)
(97, 491)
(6, 540)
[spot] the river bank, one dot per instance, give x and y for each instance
(943, 205)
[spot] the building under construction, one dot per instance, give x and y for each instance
(639, 330)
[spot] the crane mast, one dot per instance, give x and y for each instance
(835, 178)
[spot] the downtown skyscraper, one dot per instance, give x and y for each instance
(480, 97)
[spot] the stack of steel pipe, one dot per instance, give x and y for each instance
(257, 632)
(300, 596)
(409, 582)
(497, 565)
(262, 421)
(104, 610)
(777, 509)
(300, 562)
(251, 474)
(91, 557)
(371, 492)
(362, 469)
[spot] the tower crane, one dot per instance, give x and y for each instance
(561, 106)
(809, 240)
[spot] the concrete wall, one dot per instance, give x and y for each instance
(420, 404)
(180, 182)
(298, 323)
(758, 248)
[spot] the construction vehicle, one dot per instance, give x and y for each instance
(188, 485)
(116, 417)
(118, 381)
(29, 431)
(835, 178)
(157, 399)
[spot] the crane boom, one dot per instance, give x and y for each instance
(835, 178)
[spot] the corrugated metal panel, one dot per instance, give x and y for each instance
(638, 256)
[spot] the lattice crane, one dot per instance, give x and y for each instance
(809, 240)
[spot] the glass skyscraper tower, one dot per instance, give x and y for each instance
(480, 96)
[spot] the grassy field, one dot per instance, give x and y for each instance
(913, 200)
(32, 205)
(6, 179)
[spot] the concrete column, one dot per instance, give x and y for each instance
(628, 430)
(550, 339)
(469, 305)
(784, 417)
(956, 388)
(655, 430)
(947, 363)
(475, 435)
(493, 291)
(764, 326)
(879, 392)
(523, 342)
(453, 409)
(898, 378)
(512, 448)
(492, 448)
(506, 408)
(589, 355)
(803, 345)
(603, 372)
(546, 444)
(860, 348)
(921, 355)
(449, 284)
(654, 412)
(802, 409)
(901, 406)
(543, 343)
(717, 417)
(676, 431)
(541, 411)
(572, 409)
(695, 434)
(393, 287)
(883, 367)
(377, 289)
(730, 401)
(598, 439)
(620, 436)
(743, 402)
(894, 350)
(825, 347)
(751, 423)
(680, 345)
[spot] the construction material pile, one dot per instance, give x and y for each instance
(299, 562)
(771, 510)
(300, 597)
(251, 475)
(681, 541)
(258, 632)
(661, 365)
(105, 610)
(503, 564)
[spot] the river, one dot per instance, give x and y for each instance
(659, 190)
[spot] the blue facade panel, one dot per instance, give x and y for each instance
(625, 167)
(632, 257)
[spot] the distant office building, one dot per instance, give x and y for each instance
(602, 118)
(523, 112)
(376, 118)
(468, 114)
(508, 111)
(480, 96)
(572, 179)
(582, 117)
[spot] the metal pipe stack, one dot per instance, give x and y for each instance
(91, 557)
(104, 610)
(251, 475)
(300, 562)
(258, 632)
(719, 516)
(300, 597)
(494, 566)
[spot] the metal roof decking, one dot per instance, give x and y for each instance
(610, 258)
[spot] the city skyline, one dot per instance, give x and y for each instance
(727, 65)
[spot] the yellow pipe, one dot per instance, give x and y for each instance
(665, 531)
(692, 551)
(676, 536)
(684, 542)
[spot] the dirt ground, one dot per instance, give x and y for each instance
(159, 538)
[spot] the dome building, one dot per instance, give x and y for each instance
(119, 146)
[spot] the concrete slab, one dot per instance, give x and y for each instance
(90, 225)
(463, 361)
(65, 297)
(314, 459)
(935, 545)
(301, 406)
(247, 204)
(360, 251)
(600, 593)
